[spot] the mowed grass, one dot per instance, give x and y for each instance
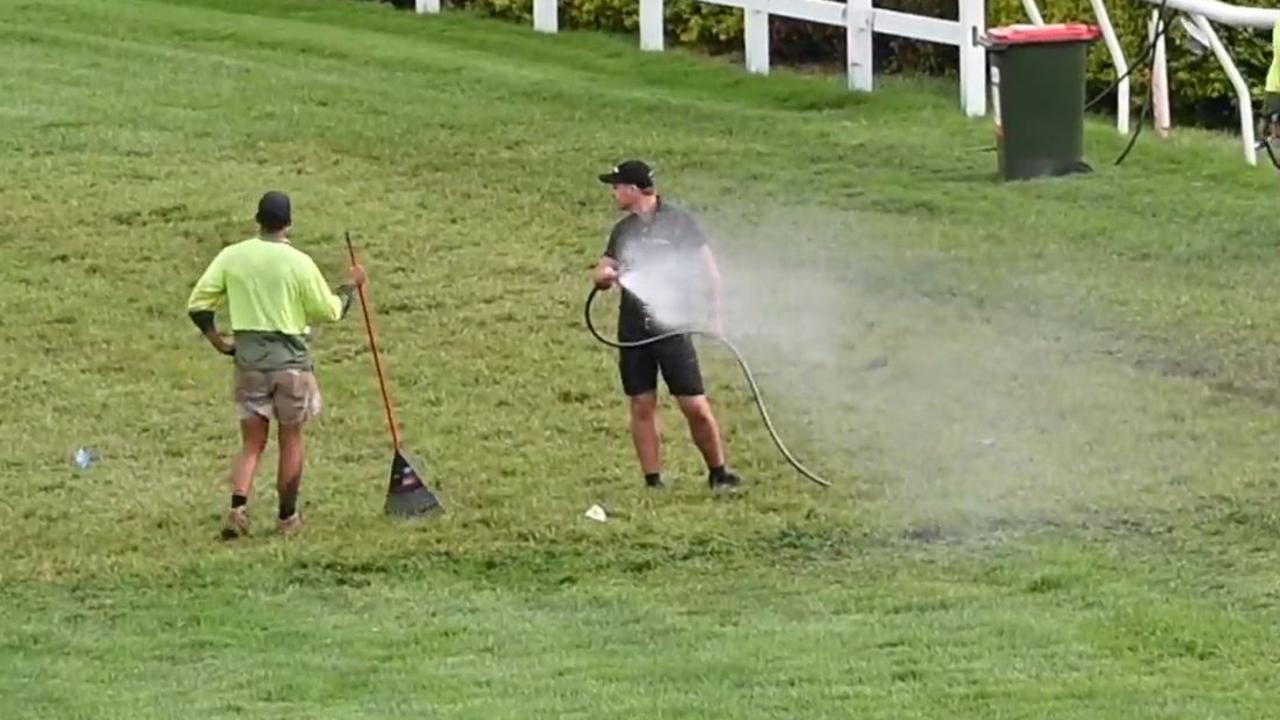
(1047, 408)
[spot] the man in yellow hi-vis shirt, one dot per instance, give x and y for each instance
(273, 292)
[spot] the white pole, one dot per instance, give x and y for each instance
(1033, 12)
(651, 25)
(858, 48)
(1117, 58)
(973, 58)
(756, 35)
(1160, 80)
(1242, 89)
(546, 16)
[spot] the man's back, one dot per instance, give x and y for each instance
(273, 292)
(265, 286)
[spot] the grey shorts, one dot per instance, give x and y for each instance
(290, 396)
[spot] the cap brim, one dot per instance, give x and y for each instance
(611, 179)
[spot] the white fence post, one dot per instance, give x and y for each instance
(755, 19)
(1160, 79)
(546, 15)
(973, 58)
(1117, 58)
(651, 25)
(857, 44)
(426, 6)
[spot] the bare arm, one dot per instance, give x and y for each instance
(608, 267)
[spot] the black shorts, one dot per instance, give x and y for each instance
(675, 357)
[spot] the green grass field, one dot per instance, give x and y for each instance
(1048, 409)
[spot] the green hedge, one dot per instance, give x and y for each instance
(1199, 90)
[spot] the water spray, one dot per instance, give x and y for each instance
(746, 371)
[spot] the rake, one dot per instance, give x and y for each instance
(407, 493)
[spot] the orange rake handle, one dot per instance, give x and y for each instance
(373, 344)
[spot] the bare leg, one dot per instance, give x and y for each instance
(704, 428)
(254, 432)
(289, 477)
(644, 432)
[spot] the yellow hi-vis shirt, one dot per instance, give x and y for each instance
(1273, 75)
(273, 293)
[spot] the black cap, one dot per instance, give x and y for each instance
(630, 172)
(274, 211)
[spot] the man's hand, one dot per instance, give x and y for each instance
(606, 275)
(222, 343)
(204, 320)
(358, 275)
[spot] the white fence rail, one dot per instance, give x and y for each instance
(859, 18)
(862, 20)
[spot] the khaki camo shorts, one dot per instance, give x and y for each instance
(290, 396)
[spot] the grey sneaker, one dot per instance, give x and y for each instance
(237, 523)
(290, 525)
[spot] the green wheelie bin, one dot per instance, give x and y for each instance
(1037, 95)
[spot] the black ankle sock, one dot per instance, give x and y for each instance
(718, 472)
(652, 477)
(289, 497)
(238, 501)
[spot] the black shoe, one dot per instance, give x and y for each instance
(723, 480)
(654, 481)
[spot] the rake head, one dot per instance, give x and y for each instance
(407, 494)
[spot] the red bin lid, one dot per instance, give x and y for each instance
(1060, 32)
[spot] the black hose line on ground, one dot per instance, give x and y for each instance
(746, 371)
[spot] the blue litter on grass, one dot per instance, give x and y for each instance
(84, 458)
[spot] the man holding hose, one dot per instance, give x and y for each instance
(663, 242)
(273, 291)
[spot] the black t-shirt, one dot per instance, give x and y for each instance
(660, 256)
